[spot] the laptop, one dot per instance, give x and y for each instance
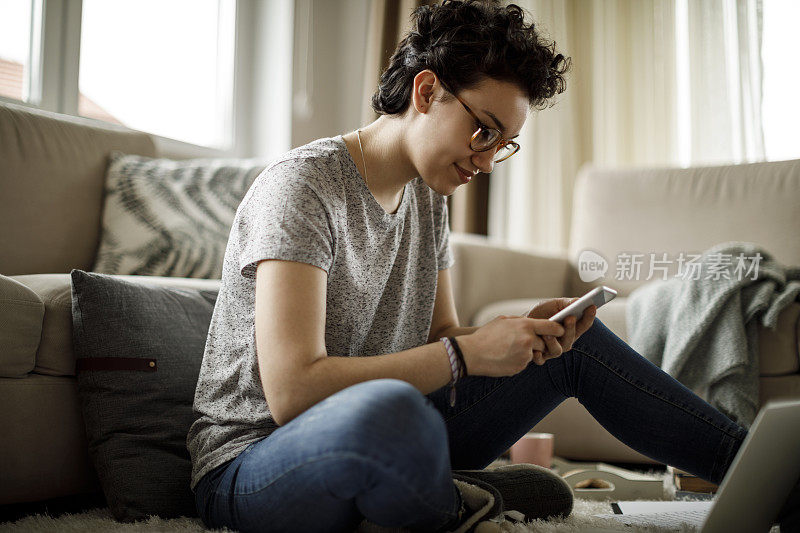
(754, 489)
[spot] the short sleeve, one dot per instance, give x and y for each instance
(283, 217)
(444, 255)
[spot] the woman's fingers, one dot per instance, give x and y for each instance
(553, 346)
(573, 328)
(569, 335)
(586, 320)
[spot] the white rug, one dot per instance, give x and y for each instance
(582, 520)
(100, 520)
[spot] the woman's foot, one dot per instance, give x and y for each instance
(534, 491)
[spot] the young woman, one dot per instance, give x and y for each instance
(325, 392)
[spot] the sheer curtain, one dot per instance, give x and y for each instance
(724, 81)
(653, 83)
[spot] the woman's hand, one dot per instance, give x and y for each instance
(507, 344)
(573, 328)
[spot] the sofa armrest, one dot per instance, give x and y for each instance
(21, 316)
(486, 271)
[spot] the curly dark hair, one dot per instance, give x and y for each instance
(464, 42)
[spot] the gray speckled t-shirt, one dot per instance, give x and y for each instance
(312, 206)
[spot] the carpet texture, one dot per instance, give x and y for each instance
(100, 520)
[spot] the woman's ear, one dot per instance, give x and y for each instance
(422, 94)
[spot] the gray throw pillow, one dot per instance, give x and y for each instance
(170, 218)
(139, 348)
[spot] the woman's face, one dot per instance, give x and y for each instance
(443, 130)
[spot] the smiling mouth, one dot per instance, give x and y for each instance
(463, 174)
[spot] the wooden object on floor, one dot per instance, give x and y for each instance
(600, 481)
(690, 483)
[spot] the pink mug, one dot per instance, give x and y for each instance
(534, 448)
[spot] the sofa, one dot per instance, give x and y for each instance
(52, 170)
(635, 210)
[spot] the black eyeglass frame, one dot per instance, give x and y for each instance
(482, 127)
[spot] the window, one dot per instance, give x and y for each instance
(781, 106)
(161, 67)
(183, 70)
(16, 50)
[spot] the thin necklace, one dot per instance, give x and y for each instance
(366, 179)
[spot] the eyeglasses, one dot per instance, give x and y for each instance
(486, 138)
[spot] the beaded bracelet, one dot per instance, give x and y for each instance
(455, 368)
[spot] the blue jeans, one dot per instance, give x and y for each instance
(384, 451)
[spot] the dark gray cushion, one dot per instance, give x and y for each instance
(139, 348)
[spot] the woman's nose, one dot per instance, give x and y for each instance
(484, 160)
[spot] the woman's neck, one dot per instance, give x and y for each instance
(388, 167)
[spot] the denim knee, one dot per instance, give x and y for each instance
(597, 328)
(389, 397)
(399, 413)
(597, 335)
(399, 401)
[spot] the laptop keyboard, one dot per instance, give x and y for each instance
(694, 517)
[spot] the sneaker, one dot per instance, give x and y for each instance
(534, 491)
(481, 504)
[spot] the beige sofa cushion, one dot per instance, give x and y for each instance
(779, 350)
(683, 210)
(54, 352)
(778, 388)
(21, 315)
(51, 187)
(54, 356)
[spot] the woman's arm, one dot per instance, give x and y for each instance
(294, 367)
(445, 318)
(296, 372)
(455, 331)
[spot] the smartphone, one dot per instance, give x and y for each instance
(597, 296)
